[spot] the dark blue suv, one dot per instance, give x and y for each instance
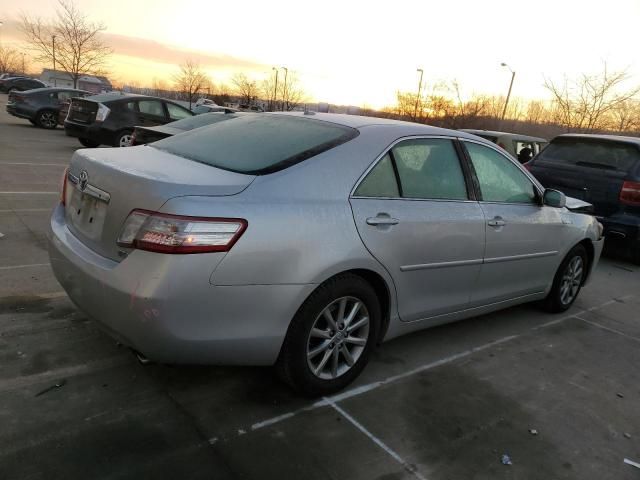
(603, 170)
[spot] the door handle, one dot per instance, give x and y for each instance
(496, 222)
(382, 221)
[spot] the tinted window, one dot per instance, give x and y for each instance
(430, 168)
(131, 106)
(593, 153)
(380, 181)
(64, 96)
(500, 180)
(178, 113)
(257, 144)
(151, 107)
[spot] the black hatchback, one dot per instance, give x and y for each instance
(603, 170)
(109, 119)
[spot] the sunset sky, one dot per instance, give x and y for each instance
(361, 52)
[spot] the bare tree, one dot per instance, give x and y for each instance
(287, 97)
(191, 80)
(79, 49)
(586, 102)
(625, 116)
(245, 88)
(10, 60)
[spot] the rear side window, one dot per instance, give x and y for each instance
(592, 153)
(151, 107)
(257, 144)
(380, 182)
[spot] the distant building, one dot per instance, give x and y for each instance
(90, 83)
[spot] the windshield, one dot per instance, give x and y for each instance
(257, 144)
(592, 153)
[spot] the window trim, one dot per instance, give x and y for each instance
(537, 186)
(388, 150)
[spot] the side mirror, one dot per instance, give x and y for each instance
(554, 198)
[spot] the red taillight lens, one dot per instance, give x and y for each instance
(63, 187)
(165, 233)
(133, 139)
(630, 193)
(527, 165)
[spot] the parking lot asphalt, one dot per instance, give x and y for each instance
(558, 394)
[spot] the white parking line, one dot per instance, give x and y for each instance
(29, 193)
(608, 329)
(353, 392)
(34, 164)
(19, 210)
(409, 468)
(32, 265)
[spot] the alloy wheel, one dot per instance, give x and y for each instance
(338, 338)
(571, 280)
(125, 140)
(48, 120)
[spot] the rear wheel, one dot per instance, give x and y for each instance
(331, 338)
(123, 139)
(89, 143)
(47, 119)
(568, 280)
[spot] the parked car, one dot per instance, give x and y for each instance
(109, 119)
(603, 170)
(144, 135)
(19, 84)
(6, 75)
(302, 240)
(522, 147)
(207, 108)
(41, 105)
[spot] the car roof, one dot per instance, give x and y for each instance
(55, 89)
(611, 138)
(358, 122)
(116, 96)
(496, 133)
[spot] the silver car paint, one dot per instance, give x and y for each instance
(235, 308)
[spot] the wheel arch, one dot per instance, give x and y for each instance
(588, 246)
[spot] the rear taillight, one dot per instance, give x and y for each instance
(527, 165)
(63, 187)
(103, 113)
(165, 233)
(133, 139)
(630, 193)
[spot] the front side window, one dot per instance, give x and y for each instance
(430, 169)
(500, 180)
(177, 113)
(151, 107)
(380, 182)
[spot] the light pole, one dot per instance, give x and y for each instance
(275, 90)
(506, 102)
(284, 90)
(53, 41)
(415, 110)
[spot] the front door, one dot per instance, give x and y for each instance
(415, 214)
(522, 235)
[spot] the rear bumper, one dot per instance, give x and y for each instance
(92, 131)
(597, 252)
(622, 226)
(165, 307)
(19, 112)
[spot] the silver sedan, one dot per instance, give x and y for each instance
(303, 240)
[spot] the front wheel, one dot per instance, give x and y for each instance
(568, 280)
(331, 338)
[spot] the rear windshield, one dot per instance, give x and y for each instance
(592, 153)
(257, 144)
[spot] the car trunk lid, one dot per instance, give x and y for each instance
(105, 185)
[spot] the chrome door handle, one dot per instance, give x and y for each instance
(382, 221)
(496, 222)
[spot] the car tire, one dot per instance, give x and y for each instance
(567, 281)
(47, 119)
(312, 346)
(123, 138)
(89, 143)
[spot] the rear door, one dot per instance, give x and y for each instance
(523, 237)
(152, 112)
(416, 214)
(592, 170)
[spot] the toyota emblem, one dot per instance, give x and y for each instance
(84, 179)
